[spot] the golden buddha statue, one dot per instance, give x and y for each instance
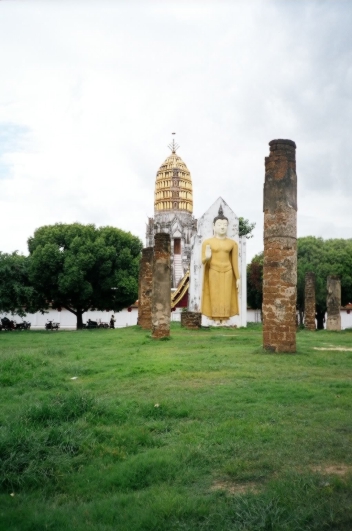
(221, 275)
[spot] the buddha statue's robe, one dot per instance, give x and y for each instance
(220, 294)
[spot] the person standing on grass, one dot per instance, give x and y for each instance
(112, 321)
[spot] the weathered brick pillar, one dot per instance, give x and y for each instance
(145, 287)
(191, 320)
(161, 297)
(333, 303)
(280, 248)
(309, 301)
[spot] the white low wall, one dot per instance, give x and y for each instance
(125, 318)
(68, 320)
(346, 319)
(253, 316)
(176, 315)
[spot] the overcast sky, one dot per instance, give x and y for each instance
(91, 91)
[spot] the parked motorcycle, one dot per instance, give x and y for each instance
(50, 325)
(7, 324)
(25, 325)
(103, 325)
(91, 324)
(95, 324)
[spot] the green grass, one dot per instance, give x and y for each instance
(202, 432)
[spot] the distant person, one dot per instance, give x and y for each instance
(112, 321)
(320, 317)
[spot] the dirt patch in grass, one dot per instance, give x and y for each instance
(341, 349)
(235, 488)
(336, 470)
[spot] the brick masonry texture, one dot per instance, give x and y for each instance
(309, 301)
(280, 248)
(145, 286)
(333, 303)
(191, 320)
(161, 295)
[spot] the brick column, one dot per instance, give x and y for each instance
(145, 287)
(333, 303)
(309, 301)
(161, 297)
(280, 248)
(191, 320)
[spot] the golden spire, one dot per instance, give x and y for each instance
(173, 146)
(173, 186)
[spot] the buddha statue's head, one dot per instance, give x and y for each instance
(220, 224)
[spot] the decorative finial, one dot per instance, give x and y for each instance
(173, 146)
(220, 215)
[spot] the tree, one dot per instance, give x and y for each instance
(16, 293)
(245, 228)
(324, 258)
(81, 267)
(255, 281)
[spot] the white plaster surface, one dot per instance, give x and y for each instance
(346, 319)
(204, 231)
(67, 320)
(124, 318)
(253, 316)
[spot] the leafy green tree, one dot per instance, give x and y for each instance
(17, 295)
(255, 282)
(324, 258)
(245, 227)
(81, 267)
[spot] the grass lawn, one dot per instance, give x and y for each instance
(111, 430)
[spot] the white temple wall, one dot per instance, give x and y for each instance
(254, 316)
(68, 320)
(346, 319)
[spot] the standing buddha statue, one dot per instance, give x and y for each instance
(221, 274)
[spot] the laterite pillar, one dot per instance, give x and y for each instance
(161, 296)
(145, 289)
(280, 248)
(309, 301)
(333, 303)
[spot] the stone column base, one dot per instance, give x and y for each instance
(191, 320)
(334, 323)
(160, 331)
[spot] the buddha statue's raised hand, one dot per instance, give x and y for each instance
(207, 252)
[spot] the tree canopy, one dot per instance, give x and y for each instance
(81, 267)
(17, 295)
(255, 281)
(245, 227)
(324, 258)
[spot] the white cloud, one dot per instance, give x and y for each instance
(94, 90)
